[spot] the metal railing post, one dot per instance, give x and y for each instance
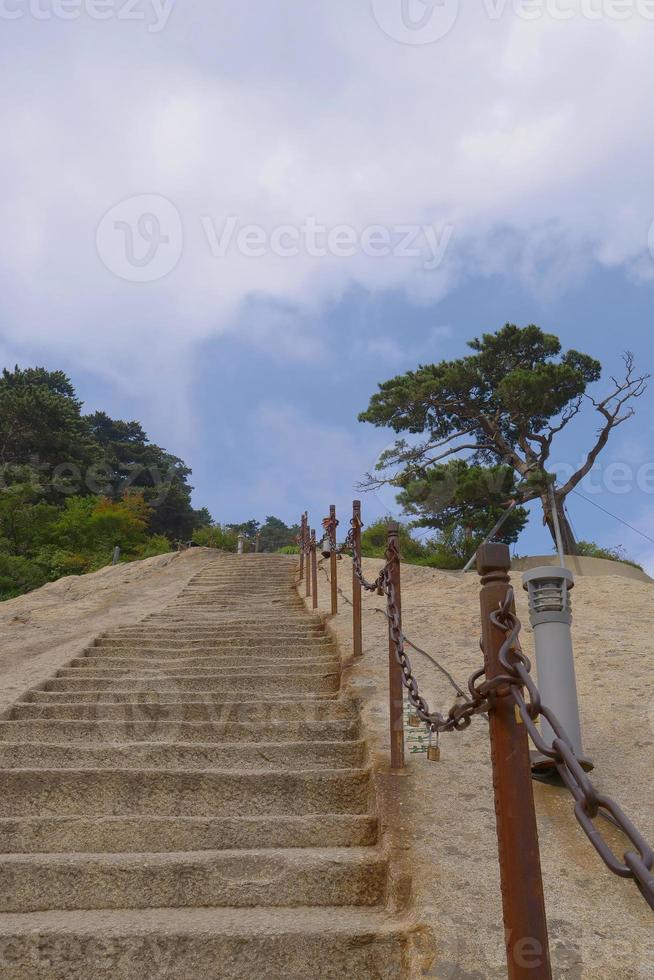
(314, 571)
(357, 638)
(307, 548)
(395, 685)
(333, 558)
(525, 924)
(303, 525)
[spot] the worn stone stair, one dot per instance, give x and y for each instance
(191, 799)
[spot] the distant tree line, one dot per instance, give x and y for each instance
(75, 486)
(271, 536)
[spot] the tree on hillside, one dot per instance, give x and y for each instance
(130, 461)
(274, 534)
(458, 497)
(503, 404)
(249, 528)
(41, 425)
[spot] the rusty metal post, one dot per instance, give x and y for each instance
(357, 639)
(525, 924)
(395, 685)
(307, 547)
(333, 558)
(314, 571)
(302, 532)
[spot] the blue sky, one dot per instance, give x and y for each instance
(517, 149)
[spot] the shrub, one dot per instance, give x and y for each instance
(217, 536)
(158, 544)
(589, 549)
(19, 575)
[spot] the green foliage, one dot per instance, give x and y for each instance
(274, 534)
(375, 536)
(41, 425)
(129, 461)
(289, 549)
(462, 501)
(516, 376)
(74, 486)
(589, 549)
(501, 406)
(158, 544)
(19, 575)
(221, 537)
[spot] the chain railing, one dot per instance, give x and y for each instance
(637, 864)
(496, 691)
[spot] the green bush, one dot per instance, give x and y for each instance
(219, 537)
(158, 544)
(289, 549)
(374, 539)
(589, 549)
(19, 575)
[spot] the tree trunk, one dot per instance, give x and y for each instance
(567, 534)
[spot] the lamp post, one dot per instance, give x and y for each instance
(550, 612)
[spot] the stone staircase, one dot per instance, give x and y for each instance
(190, 799)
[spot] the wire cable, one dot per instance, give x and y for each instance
(614, 516)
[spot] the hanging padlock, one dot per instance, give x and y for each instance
(413, 720)
(433, 751)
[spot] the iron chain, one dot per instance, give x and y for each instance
(636, 864)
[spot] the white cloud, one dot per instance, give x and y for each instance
(529, 138)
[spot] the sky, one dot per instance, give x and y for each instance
(232, 220)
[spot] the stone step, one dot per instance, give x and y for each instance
(237, 879)
(151, 700)
(220, 661)
(223, 682)
(128, 792)
(288, 620)
(39, 835)
(293, 654)
(214, 639)
(263, 755)
(219, 631)
(201, 632)
(240, 641)
(58, 732)
(211, 944)
(254, 712)
(210, 667)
